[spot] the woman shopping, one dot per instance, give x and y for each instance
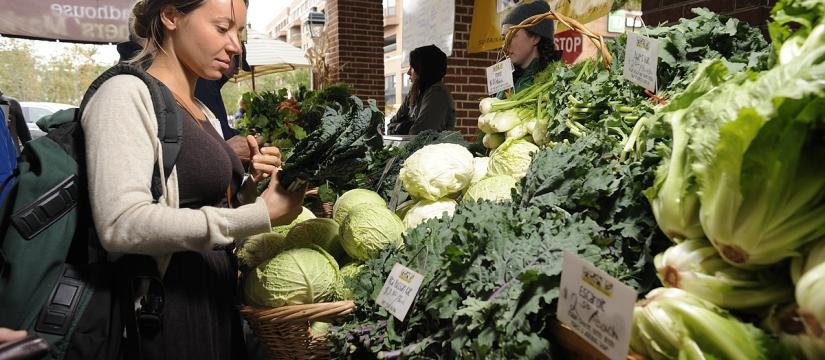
(531, 49)
(189, 230)
(429, 104)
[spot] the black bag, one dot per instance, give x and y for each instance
(55, 279)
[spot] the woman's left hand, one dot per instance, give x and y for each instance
(264, 160)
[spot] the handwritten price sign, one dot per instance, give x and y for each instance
(596, 306)
(399, 291)
(500, 76)
(640, 60)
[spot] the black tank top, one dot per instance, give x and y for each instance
(206, 165)
(200, 315)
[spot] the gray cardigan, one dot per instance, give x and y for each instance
(122, 149)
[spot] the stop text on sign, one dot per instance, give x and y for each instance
(570, 43)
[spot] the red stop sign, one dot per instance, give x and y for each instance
(570, 44)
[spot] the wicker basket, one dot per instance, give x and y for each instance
(597, 39)
(318, 207)
(285, 330)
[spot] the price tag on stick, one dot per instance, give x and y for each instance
(399, 291)
(596, 306)
(500, 76)
(640, 60)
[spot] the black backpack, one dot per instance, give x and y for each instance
(55, 279)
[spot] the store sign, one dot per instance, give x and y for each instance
(596, 306)
(399, 291)
(91, 21)
(500, 77)
(570, 43)
(640, 60)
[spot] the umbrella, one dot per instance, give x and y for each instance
(266, 55)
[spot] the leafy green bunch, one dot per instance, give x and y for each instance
(339, 148)
(588, 96)
(491, 273)
(273, 116)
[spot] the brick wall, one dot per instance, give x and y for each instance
(356, 46)
(755, 12)
(466, 77)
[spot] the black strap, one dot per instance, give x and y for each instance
(170, 126)
(170, 133)
(146, 322)
(133, 270)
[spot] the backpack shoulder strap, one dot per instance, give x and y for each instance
(170, 130)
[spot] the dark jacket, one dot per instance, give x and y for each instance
(436, 111)
(522, 78)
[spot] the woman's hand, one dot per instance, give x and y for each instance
(284, 206)
(264, 160)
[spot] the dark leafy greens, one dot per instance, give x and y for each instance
(339, 148)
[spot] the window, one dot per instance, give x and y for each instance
(389, 44)
(389, 89)
(389, 7)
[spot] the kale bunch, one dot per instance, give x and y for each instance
(338, 149)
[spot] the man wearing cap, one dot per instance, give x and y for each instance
(531, 49)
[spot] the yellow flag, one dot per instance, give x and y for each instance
(485, 30)
(581, 11)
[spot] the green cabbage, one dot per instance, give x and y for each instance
(512, 158)
(257, 249)
(480, 165)
(296, 276)
(436, 171)
(349, 275)
(368, 229)
(426, 209)
(354, 197)
(305, 214)
(319, 231)
(495, 188)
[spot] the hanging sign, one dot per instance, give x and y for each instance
(640, 60)
(596, 306)
(500, 77)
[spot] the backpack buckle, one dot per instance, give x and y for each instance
(149, 314)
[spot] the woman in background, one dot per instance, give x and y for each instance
(429, 104)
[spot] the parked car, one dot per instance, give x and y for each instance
(33, 111)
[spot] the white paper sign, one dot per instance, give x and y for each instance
(596, 306)
(427, 22)
(640, 59)
(399, 291)
(500, 76)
